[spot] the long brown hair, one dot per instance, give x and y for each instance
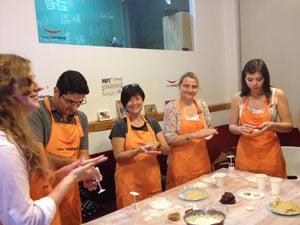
(14, 72)
(251, 67)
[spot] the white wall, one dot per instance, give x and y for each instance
(215, 60)
(270, 30)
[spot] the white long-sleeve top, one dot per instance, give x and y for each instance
(16, 205)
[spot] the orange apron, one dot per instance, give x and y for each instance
(189, 160)
(65, 141)
(260, 153)
(41, 187)
(140, 173)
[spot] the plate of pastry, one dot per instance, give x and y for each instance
(283, 207)
(193, 194)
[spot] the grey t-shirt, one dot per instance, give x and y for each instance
(40, 122)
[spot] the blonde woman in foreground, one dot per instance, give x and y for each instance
(22, 165)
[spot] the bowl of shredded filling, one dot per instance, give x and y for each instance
(204, 217)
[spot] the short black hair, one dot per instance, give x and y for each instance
(72, 82)
(131, 90)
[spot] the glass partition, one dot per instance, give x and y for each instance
(146, 24)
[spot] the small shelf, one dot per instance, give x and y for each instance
(95, 126)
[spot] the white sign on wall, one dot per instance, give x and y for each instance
(111, 86)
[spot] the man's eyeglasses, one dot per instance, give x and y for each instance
(72, 103)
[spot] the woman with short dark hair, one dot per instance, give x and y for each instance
(136, 141)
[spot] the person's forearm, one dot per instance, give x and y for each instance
(84, 153)
(282, 127)
(235, 129)
(62, 172)
(58, 162)
(62, 188)
(164, 148)
(126, 155)
(181, 139)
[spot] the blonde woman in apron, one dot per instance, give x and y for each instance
(186, 123)
(136, 141)
(27, 194)
(254, 113)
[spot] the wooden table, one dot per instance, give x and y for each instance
(236, 214)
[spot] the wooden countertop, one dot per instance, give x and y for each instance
(236, 214)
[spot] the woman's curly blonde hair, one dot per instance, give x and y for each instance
(14, 73)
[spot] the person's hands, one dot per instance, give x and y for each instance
(247, 129)
(94, 161)
(265, 126)
(206, 133)
(150, 148)
(211, 132)
(85, 169)
(91, 183)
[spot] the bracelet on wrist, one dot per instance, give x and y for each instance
(187, 138)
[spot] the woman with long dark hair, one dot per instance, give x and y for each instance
(254, 116)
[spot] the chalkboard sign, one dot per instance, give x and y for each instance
(80, 22)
